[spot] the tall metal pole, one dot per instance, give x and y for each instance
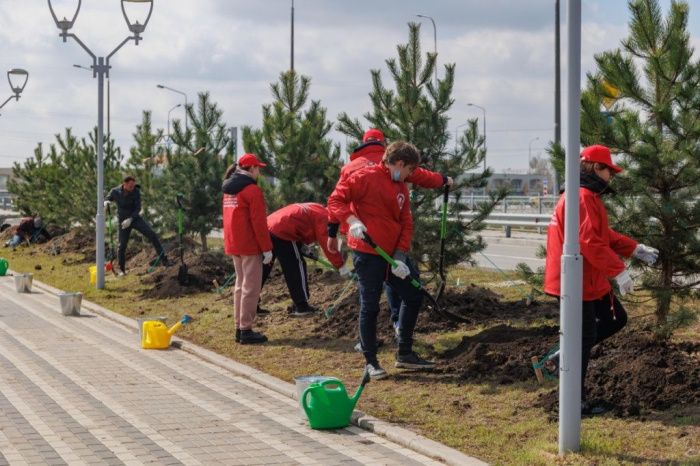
(99, 216)
(291, 52)
(557, 89)
(108, 109)
(571, 261)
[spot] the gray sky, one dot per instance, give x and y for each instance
(503, 51)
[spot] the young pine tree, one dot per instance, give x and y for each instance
(415, 110)
(655, 126)
(294, 142)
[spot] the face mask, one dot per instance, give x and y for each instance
(396, 175)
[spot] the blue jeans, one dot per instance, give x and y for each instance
(393, 297)
(14, 241)
(372, 271)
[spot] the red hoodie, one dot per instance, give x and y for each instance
(304, 223)
(245, 226)
(371, 153)
(380, 203)
(599, 247)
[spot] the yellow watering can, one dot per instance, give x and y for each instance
(156, 335)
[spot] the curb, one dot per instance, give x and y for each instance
(399, 435)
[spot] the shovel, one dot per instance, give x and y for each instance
(110, 265)
(443, 234)
(436, 308)
(182, 277)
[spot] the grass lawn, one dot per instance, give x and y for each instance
(497, 423)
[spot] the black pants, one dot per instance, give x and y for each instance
(601, 319)
(372, 271)
(142, 227)
(293, 267)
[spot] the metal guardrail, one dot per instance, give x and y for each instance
(509, 220)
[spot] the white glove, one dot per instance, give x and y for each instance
(624, 282)
(401, 270)
(344, 271)
(107, 203)
(267, 257)
(126, 223)
(357, 229)
(646, 253)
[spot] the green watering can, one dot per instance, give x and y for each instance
(4, 265)
(327, 404)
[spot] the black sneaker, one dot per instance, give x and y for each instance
(413, 361)
(303, 310)
(250, 337)
(375, 371)
(238, 335)
(589, 409)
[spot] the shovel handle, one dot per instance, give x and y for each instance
(387, 257)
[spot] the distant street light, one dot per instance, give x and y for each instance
(17, 87)
(108, 98)
(178, 105)
(529, 153)
(457, 134)
(484, 111)
(100, 70)
(160, 86)
(434, 43)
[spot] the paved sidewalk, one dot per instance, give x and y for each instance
(79, 390)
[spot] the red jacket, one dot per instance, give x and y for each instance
(381, 204)
(599, 244)
(245, 225)
(372, 153)
(304, 223)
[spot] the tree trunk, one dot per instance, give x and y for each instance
(663, 301)
(203, 238)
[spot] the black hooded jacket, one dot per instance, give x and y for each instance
(128, 203)
(235, 183)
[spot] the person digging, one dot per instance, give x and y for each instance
(127, 197)
(375, 201)
(292, 229)
(602, 313)
(29, 230)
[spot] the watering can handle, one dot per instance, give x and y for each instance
(304, 398)
(332, 382)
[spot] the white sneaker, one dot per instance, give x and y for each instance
(376, 372)
(121, 273)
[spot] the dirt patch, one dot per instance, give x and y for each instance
(632, 373)
(202, 269)
(501, 353)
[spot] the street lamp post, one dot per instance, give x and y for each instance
(160, 86)
(484, 111)
(17, 87)
(100, 70)
(108, 97)
(457, 134)
(529, 153)
(434, 43)
(176, 106)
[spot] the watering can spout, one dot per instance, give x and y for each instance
(358, 392)
(185, 320)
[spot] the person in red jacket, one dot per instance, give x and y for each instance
(370, 153)
(247, 239)
(375, 200)
(603, 315)
(292, 228)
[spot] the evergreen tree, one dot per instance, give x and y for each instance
(294, 142)
(655, 126)
(145, 164)
(195, 168)
(61, 186)
(415, 110)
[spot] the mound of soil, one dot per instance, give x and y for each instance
(633, 373)
(78, 240)
(202, 270)
(501, 353)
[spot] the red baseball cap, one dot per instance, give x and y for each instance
(250, 160)
(373, 133)
(600, 154)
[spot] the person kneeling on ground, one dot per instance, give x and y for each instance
(127, 196)
(29, 229)
(247, 239)
(375, 201)
(292, 228)
(602, 313)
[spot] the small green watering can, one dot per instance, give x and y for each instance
(327, 404)
(4, 265)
